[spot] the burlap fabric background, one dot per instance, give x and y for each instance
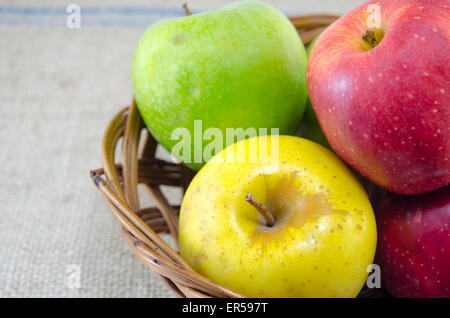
(58, 89)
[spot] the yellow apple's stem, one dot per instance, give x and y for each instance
(265, 212)
(186, 9)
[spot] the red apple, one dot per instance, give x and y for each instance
(414, 244)
(382, 94)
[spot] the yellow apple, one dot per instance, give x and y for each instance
(324, 233)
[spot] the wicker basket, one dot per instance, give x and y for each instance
(141, 227)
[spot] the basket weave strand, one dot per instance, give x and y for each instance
(141, 227)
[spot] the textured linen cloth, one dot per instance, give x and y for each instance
(59, 87)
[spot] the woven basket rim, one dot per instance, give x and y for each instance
(141, 227)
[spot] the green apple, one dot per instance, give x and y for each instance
(311, 45)
(322, 234)
(309, 127)
(243, 66)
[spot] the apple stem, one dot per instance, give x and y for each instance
(370, 38)
(186, 9)
(265, 212)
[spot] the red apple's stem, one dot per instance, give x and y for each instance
(186, 9)
(373, 37)
(265, 212)
(370, 38)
